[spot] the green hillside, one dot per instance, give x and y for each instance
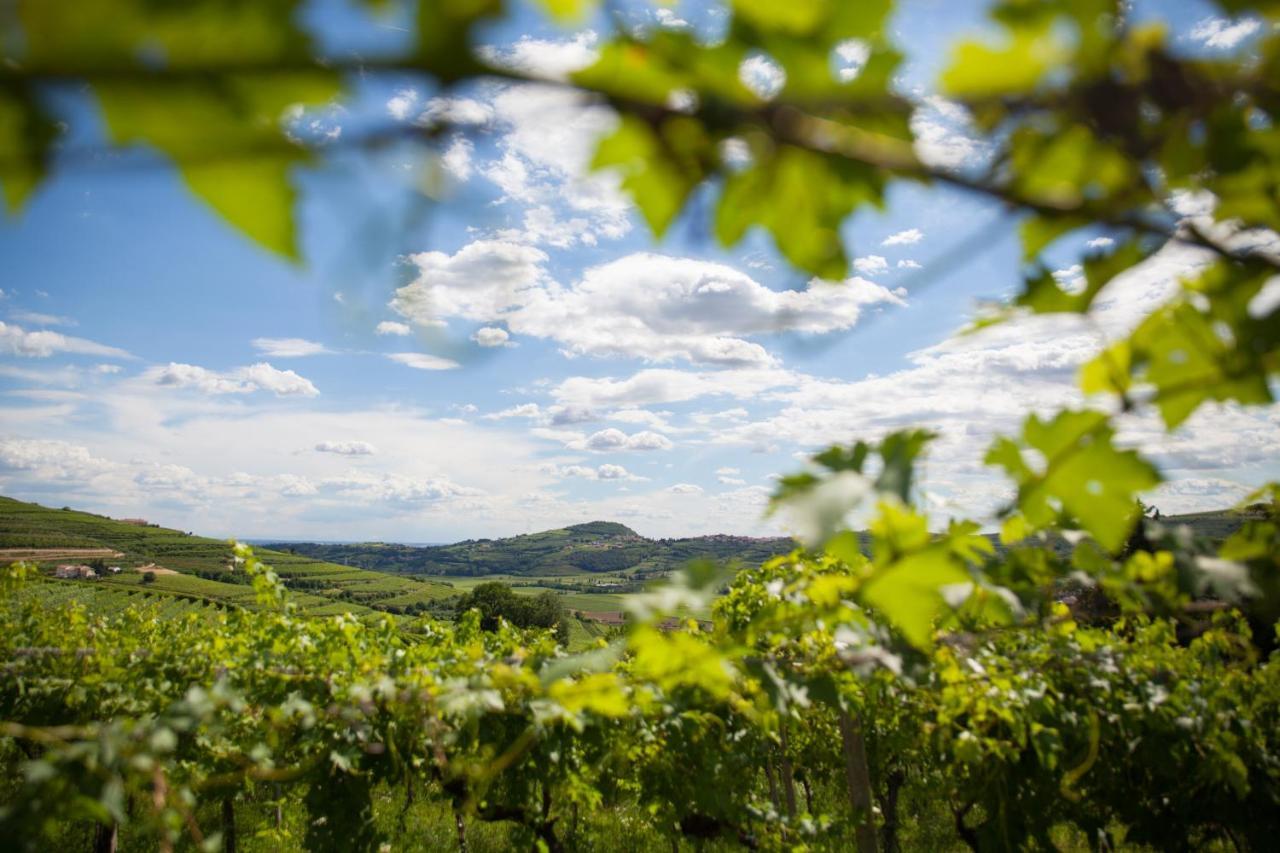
(594, 547)
(200, 566)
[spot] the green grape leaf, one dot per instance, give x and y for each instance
(226, 140)
(909, 592)
(802, 198)
(1082, 474)
(659, 169)
(569, 10)
(1017, 67)
(444, 34)
(26, 134)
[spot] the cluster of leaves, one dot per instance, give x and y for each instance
(498, 602)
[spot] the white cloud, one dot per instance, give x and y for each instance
(685, 489)
(288, 347)
(908, 264)
(491, 336)
(551, 60)
(1224, 33)
(608, 471)
(422, 361)
(945, 137)
(402, 103)
(871, 265)
(656, 386)
(909, 237)
(346, 448)
(480, 281)
(42, 344)
(459, 111)
(36, 318)
(648, 306)
(762, 75)
(391, 327)
(457, 158)
(851, 57)
(661, 308)
(1100, 243)
(241, 380)
(524, 410)
(669, 19)
(394, 488)
(616, 439)
(51, 460)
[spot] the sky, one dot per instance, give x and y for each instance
(484, 339)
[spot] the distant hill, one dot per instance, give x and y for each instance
(197, 566)
(597, 546)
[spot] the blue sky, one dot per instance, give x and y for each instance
(511, 350)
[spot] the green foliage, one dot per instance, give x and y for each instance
(1080, 477)
(497, 602)
(1101, 675)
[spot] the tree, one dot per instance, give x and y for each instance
(496, 601)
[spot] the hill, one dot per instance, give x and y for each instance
(190, 568)
(594, 547)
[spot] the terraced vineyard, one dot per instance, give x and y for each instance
(201, 567)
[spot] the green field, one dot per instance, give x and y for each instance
(204, 566)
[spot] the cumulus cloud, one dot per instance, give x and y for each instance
(551, 60)
(662, 308)
(1224, 33)
(391, 327)
(616, 439)
(288, 347)
(945, 136)
(462, 111)
(685, 489)
(608, 471)
(346, 448)
(851, 57)
(17, 341)
(762, 75)
(478, 282)
(51, 460)
(871, 265)
(400, 105)
(422, 361)
(491, 336)
(456, 159)
(241, 380)
(649, 306)
(368, 486)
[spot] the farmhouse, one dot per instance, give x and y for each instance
(72, 572)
